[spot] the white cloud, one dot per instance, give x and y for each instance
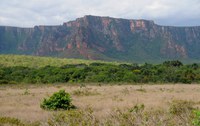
(26, 13)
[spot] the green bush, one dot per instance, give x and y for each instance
(196, 120)
(59, 100)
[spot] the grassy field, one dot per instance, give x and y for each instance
(23, 101)
(98, 104)
(36, 61)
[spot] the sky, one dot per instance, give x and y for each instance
(28, 13)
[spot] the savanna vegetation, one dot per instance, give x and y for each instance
(180, 113)
(167, 72)
(122, 105)
(127, 105)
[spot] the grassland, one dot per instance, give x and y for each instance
(112, 103)
(23, 101)
(36, 61)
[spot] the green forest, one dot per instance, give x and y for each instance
(166, 72)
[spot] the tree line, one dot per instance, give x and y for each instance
(167, 72)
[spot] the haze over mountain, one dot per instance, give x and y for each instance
(104, 38)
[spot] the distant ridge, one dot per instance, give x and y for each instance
(104, 38)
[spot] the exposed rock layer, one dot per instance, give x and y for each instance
(104, 38)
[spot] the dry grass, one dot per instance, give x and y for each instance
(23, 102)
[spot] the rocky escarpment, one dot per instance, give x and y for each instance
(104, 38)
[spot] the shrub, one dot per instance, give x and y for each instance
(4, 81)
(196, 119)
(181, 111)
(137, 108)
(178, 107)
(59, 100)
(85, 92)
(76, 117)
(11, 121)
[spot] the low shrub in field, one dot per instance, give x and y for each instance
(196, 119)
(137, 108)
(75, 117)
(180, 106)
(85, 92)
(26, 92)
(9, 121)
(183, 112)
(59, 100)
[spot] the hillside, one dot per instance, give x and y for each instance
(104, 38)
(37, 62)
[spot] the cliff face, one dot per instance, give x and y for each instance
(104, 38)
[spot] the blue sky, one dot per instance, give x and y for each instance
(28, 13)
